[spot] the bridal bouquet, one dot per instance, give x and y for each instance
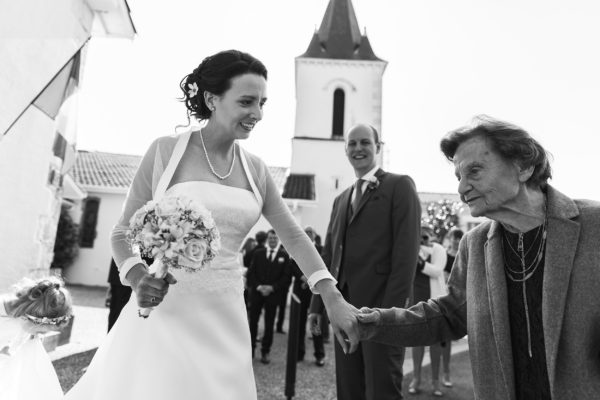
(177, 233)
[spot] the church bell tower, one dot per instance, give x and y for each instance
(338, 84)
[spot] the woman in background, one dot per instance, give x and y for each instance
(429, 283)
(453, 239)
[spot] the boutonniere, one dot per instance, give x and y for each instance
(373, 183)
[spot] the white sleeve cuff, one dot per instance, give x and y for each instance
(126, 266)
(317, 276)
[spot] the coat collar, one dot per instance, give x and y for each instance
(561, 246)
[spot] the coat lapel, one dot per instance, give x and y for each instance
(343, 212)
(561, 245)
(367, 195)
(497, 291)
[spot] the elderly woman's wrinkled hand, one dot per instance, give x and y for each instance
(369, 316)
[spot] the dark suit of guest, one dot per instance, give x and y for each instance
(302, 290)
(119, 294)
(264, 271)
(281, 306)
(247, 260)
(372, 252)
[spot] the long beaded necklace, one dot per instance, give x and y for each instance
(212, 169)
(527, 271)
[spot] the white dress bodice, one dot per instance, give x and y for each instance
(235, 211)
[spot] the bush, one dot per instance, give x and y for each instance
(66, 245)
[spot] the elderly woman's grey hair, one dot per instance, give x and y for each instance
(509, 141)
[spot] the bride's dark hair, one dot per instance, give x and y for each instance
(214, 75)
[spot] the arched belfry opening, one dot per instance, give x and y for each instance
(339, 100)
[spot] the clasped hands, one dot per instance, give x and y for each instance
(345, 324)
(265, 290)
(149, 290)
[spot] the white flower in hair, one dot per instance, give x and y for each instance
(193, 90)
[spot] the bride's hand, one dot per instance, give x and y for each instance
(369, 316)
(149, 291)
(342, 316)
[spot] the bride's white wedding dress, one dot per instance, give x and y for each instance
(196, 343)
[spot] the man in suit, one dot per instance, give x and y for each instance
(302, 290)
(268, 275)
(261, 238)
(371, 248)
(117, 295)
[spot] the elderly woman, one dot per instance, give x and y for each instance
(524, 285)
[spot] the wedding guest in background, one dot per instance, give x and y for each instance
(323, 321)
(269, 274)
(261, 238)
(429, 282)
(246, 252)
(301, 289)
(453, 239)
(281, 307)
(524, 285)
(371, 247)
(117, 295)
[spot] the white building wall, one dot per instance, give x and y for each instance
(29, 208)
(326, 159)
(317, 79)
(92, 264)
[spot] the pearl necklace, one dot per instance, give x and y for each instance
(212, 169)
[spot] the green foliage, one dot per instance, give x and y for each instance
(442, 215)
(66, 246)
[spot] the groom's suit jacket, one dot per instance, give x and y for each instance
(373, 251)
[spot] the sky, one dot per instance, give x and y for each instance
(535, 63)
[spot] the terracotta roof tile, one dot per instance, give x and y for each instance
(299, 186)
(113, 171)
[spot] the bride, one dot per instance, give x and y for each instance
(196, 342)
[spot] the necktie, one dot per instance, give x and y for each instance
(358, 196)
(270, 254)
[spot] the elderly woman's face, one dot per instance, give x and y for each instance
(487, 182)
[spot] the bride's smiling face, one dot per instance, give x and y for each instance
(237, 111)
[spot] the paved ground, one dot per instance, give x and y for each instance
(90, 325)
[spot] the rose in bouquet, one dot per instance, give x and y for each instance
(177, 233)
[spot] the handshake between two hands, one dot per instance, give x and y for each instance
(365, 316)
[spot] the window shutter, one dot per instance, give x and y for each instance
(89, 220)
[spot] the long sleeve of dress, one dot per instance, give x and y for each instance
(292, 235)
(140, 192)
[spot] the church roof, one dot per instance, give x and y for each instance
(299, 186)
(339, 36)
(98, 170)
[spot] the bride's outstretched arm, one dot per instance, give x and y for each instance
(341, 314)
